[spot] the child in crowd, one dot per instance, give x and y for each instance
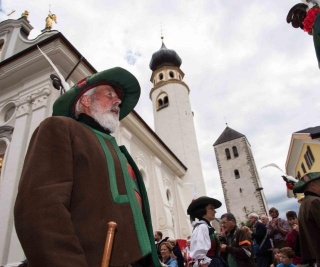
(286, 257)
(276, 255)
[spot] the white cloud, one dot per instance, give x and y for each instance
(243, 63)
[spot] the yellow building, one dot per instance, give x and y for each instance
(304, 153)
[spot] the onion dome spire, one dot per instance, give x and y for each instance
(164, 57)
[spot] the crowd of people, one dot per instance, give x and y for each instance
(265, 241)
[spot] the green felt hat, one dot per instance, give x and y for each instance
(299, 187)
(201, 202)
(123, 82)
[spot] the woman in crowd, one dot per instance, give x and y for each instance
(205, 244)
(166, 251)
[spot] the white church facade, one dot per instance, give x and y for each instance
(171, 169)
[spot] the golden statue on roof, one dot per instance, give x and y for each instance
(25, 14)
(49, 19)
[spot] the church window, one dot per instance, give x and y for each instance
(163, 101)
(235, 151)
(169, 197)
(171, 74)
(1, 46)
(303, 168)
(161, 76)
(160, 103)
(309, 158)
(228, 153)
(9, 114)
(236, 174)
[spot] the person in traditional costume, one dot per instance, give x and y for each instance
(76, 179)
(205, 244)
(309, 217)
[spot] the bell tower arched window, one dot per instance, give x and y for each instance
(163, 101)
(236, 174)
(235, 151)
(228, 153)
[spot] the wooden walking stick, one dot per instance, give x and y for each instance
(108, 245)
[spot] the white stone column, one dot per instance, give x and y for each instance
(182, 197)
(31, 110)
(163, 214)
(39, 101)
(10, 180)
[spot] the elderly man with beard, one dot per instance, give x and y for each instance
(76, 178)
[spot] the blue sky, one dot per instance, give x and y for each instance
(242, 62)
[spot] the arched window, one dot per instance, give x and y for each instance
(228, 153)
(169, 196)
(163, 101)
(236, 174)
(235, 151)
(161, 76)
(171, 74)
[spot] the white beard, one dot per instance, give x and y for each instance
(106, 118)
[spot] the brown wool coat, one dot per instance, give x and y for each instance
(309, 228)
(64, 201)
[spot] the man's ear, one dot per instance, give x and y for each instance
(85, 100)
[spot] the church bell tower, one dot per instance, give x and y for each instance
(173, 117)
(242, 189)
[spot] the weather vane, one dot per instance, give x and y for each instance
(226, 121)
(161, 31)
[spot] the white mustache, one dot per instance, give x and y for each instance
(115, 108)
